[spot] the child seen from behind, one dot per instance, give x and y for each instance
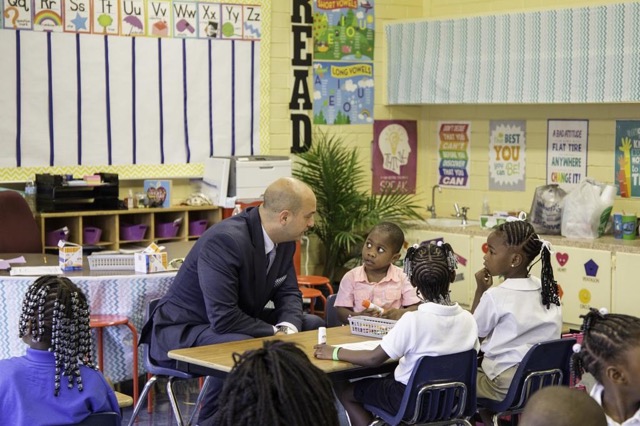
(378, 280)
(610, 351)
(437, 327)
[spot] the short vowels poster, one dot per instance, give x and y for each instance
(567, 143)
(507, 155)
(394, 156)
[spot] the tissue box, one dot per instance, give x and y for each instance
(70, 257)
(150, 262)
(489, 221)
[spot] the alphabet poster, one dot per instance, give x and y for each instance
(342, 93)
(454, 147)
(567, 143)
(507, 157)
(395, 153)
(627, 158)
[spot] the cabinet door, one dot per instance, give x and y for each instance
(626, 297)
(462, 247)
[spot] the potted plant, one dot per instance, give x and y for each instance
(346, 212)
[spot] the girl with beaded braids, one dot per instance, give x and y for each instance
(610, 351)
(438, 327)
(57, 374)
(520, 312)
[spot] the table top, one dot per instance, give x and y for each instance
(217, 360)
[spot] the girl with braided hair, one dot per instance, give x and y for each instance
(610, 351)
(57, 374)
(276, 385)
(438, 327)
(520, 312)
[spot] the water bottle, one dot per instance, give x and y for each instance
(30, 195)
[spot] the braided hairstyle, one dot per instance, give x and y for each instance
(521, 234)
(431, 269)
(276, 385)
(606, 338)
(55, 313)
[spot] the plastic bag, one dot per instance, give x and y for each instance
(587, 209)
(546, 209)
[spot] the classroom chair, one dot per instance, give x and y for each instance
(331, 313)
(154, 371)
(99, 322)
(545, 364)
(108, 418)
(19, 231)
(440, 391)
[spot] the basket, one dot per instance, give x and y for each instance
(91, 234)
(111, 262)
(167, 230)
(197, 227)
(54, 236)
(371, 326)
(132, 232)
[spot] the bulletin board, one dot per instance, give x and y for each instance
(136, 87)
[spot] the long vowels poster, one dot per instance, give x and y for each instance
(507, 155)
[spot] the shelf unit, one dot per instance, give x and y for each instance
(112, 221)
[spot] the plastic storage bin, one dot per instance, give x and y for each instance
(54, 236)
(132, 232)
(167, 230)
(111, 262)
(197, 227)
(91, 235)
(370, 326)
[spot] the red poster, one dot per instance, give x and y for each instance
(394, 155)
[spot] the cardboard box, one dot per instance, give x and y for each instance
(70, 257)
(150, 262)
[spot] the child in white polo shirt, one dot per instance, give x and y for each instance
(438, 327)
(377, 280)
(517, 314)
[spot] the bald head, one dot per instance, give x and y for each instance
(561, 406)
(288, 209)
(286, 194)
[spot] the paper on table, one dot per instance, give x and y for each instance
(6, 263)
(360, 346)
(35, 271)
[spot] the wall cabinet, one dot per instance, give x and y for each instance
(625, 294)
(118, 228)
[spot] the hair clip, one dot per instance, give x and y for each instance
(522, 216)
(576, 348)
(439, 243)
(603, 311)
(545, 245)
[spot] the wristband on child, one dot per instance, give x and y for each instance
(335, 354)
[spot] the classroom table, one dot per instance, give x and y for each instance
(217, 360)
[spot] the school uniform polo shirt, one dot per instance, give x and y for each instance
(512, 318)
(393, 291)
(432, 330)
(596, 393)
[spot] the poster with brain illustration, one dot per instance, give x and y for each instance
(394, 155)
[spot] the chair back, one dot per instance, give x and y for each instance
(108, 418)
(331, 314)
(545, 364)
(19, 231)
(441, 388)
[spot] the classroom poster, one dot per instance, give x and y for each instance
(77, 16)
(507, 157)
(627, 158)
(47, 16)
(342, 93)
(567, 143)
(343, 30)
(394, 156)
(454, 147)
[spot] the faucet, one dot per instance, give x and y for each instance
(432, 207)
(461, 212)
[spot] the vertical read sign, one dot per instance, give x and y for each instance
(453, 153)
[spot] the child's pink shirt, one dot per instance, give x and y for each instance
(393, 291)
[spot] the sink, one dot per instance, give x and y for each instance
(445, 222)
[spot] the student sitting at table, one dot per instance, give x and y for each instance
(276, 385)
(438, 327)
(377, 280)
(55, 382)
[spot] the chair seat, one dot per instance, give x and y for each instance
(123, 400)
(312, 293)
(315, 281)
(107, 320)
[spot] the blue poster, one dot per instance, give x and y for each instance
(342, 93)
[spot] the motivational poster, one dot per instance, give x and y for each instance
(567, 142)
(507, 155)
(627, 158)
(454, 147)
(394, 156)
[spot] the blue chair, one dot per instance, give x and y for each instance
(155, 371)
(331, 314)
(441, 391)
(545, 364)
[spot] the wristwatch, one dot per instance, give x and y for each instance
(284, 329)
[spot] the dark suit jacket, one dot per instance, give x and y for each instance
(222, 288)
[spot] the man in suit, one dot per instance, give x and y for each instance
(220, 292)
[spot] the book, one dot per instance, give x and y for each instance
(158, 192)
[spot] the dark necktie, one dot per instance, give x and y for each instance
(270, 257)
